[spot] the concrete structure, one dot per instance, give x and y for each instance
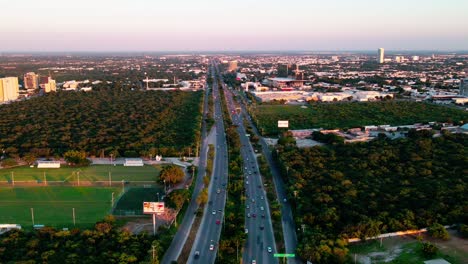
(7, 227)
(464, 87)
(31, 81)
(436, 261)
(232, 66)
(282, 83)
(381, 55)
(134, 162)
(49, 164)
(48, 84)
(9, 89)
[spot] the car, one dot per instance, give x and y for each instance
(253, 200)
(218, 221)
(262, 227)
(219, 210)
(269, 249)
(254, 262)
(261, 208)
(247, 182)
(254, 215)
(246, 230)
(213, 212)
(218, 191)
(211, 247)
(247, 206)
(259, 186)
(248, 215)
(261, 197)
(285, 200)
(197, 254)
(263, 215)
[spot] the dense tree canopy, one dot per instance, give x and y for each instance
(104, 244)
(364, 189)
(172, 174)
(102, 122)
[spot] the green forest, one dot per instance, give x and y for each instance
(103, 244)
(362, 190)
(354, 114)
(117, 122)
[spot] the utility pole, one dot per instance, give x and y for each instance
(74, 220)
(45, 179)
(112, 200)
(32, 216)
(78, 174)
(13, 178)
(110, 179)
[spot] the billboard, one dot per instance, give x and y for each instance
(283, 123)
(153, 207)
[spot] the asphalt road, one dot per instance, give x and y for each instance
(180, 237)
(207, 238)
(287, 220)
(260, 234)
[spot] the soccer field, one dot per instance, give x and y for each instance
(53, 206)
(91, 173)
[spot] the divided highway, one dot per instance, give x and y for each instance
(260, 245)
(206, 242)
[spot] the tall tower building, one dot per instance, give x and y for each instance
(464, 87)
(232, 65)
(48, 84)
(380, 57)
(31, 81)
(9, 89)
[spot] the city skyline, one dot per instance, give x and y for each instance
(213, 25)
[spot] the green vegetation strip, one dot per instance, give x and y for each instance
(232, 235)
(349, 115)
(53, 205)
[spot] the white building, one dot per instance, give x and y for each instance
(464, 87)
(9, 89)
(380, 57)
(134, 162)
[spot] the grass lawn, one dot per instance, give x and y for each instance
(90, 173)
(133, 200)
(401, 250)
(348, 115)
(53, 205)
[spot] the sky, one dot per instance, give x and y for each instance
(222, 25)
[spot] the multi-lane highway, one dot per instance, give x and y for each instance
(287, 221)
(260, 245)
(206, 242)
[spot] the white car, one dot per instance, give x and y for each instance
(254, 262)
(246, 230)
(213, 212)
(247, 206)
(211, 247)
(269, 250)
(261, 208)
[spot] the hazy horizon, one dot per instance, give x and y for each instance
(220, 26)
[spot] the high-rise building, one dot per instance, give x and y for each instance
(31, 81)
(464, 87)
(380, 57)
(9, 89)
(48, 84)
(232, 66)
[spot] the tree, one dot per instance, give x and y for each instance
(429, 250)
(76, 157)
(203, 197)
(438, 231)
(172, 174)
(177, 198)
